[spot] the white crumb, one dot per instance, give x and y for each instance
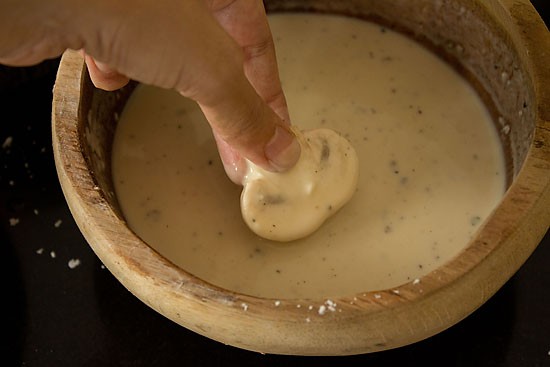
(277, 303)
(322, 310)
(416, 281)
(377, 296)
(52, 254)
(244, 306)
(14, 221)
(35, 211)
(330, 305)
(73, 263)
(40, 251)
(57, 223)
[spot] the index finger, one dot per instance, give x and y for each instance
(246, 22)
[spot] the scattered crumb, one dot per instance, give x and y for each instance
(416, 281)
(11, 182)
(310, 307)
(277, 303)
(377, 296)
(57, 223)
(298, 306)
(40, 251)
(244, 306)
(14, 221)
(102, 266)
(396, 291)
(309, 320)
(73, 263)
(7, 142)
(322, 310)
(35, 211)
(330, 305)
(52, 254)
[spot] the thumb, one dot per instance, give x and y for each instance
(245, 126)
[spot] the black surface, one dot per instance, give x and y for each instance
(57, 316)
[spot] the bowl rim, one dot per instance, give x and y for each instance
(522, 215)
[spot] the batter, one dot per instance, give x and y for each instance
(292, 205)
(430, 162)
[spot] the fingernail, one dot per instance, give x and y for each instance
(283, 150)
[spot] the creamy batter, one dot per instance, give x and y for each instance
(431, 168)
(292, 205)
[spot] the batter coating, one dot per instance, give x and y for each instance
(291, 205)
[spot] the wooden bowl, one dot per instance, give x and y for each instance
(502, 47)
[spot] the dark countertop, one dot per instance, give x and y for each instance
(58, 316)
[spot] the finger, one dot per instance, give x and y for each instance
(233, 162)
(182, 46)
(103, 76)
(243, 122)
(246, 22)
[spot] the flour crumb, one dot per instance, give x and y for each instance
(308, 319)
(73, 263)
(102, 266)
(11, 182)
(35, 211)
(14, 222)
(244, 306)
(396, 291)
(330, 305)
(277, 303)
(416, 281)
(377, 296)
(57, 223)
(52, 254)
(322, 310)
(7, 142)
(40, 251)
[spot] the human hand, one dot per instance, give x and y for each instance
(217, 52)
